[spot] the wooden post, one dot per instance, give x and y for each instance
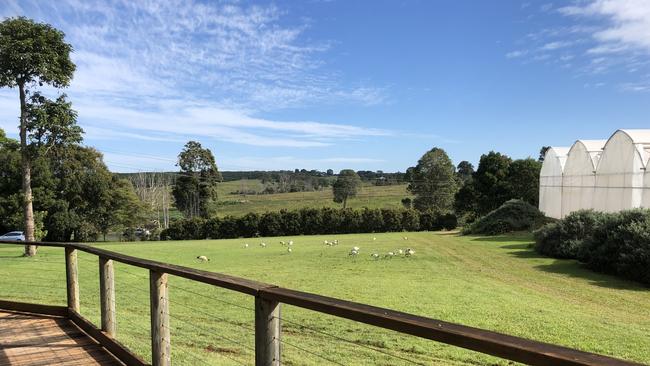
(107, 296)
(72, 278)
(267, 332)
(160, 335)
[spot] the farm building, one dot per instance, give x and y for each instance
(550, 181)
(579, 178)
(603, 175)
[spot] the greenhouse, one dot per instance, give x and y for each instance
(579, 176)
(607, 176)
(550, 181)
(620, 171)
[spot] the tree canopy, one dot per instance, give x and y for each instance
(347, 185)
(433, 181)
(195, 190)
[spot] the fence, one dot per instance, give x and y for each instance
(268, 299)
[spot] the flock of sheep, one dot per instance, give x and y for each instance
(354, 252)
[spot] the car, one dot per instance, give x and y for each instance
(13, 236)
(142, 232)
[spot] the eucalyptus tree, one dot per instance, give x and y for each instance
(31, 54)
(196, 187)
(433, 181)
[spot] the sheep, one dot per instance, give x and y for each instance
(203, 258)
(290, 243)
(409, 252)
(246, 245)
(374, 238)
(406, 238)
(375, 256)
(389, 255)
(353, 253)
(326, 242)
(282, 243)
(263, 245)
(400, 251)
(355, 248)
(336, 242)
(289, 250)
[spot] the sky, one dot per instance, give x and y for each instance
(366, 85)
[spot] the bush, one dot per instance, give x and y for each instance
(514, 215)
(614, 243)
(565, 238)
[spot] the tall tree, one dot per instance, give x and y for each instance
(490, 181)
(542, 153)
(464, 171)
(523, 180)
(196, 189)
(433, 181)
(347, 185)
(31, 53)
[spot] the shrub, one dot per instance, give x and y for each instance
(410, 220)
(372, 220)
(392, 220)
(271, 224)
(311, 220)
(565, 238)
(448, 221)
(514, 215)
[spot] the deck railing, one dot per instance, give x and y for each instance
(268, 299)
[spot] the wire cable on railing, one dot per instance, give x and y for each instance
(249, 328)
(302, 327)
(210, 334)
(210, 297)
(311, 352)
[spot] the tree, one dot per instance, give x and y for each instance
(347, 185)
(196, 189)
(523, 180)
(490, 183)
(330, 172)
(542, 153)
(464, 171)
(433, 181)
(31, 53)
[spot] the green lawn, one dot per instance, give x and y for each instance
(492, 283)
(369, 196)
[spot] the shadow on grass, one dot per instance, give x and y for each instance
(575, 269)
(567, 267)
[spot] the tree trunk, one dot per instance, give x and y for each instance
(28, 209)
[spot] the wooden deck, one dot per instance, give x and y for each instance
(39, 340)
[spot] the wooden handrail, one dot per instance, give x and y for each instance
(484, 341)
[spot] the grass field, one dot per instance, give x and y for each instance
(495, 283)
(369, 196)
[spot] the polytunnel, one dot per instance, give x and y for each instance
(620, 171)
(550, 181)
(646, 185)
(579, 176)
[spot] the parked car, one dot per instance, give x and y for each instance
(13, 236)
(142, 232)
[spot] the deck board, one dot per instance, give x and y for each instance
(39, 340)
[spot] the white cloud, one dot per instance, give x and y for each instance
(555, 45)
(515, 54)
(627, 23)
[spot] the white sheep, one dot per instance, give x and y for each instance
(263, 245)
(282, 243)
(406, 238)
(390, 255)
(289, 250)
(375, 256)
(290, 243)
(354, 253)
(400, 251)
(409, 252)
(203, 258)
(374, 238)
(326, 242)
(355, 248)
(246, 245)
(336, 242)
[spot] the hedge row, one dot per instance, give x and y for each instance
(614, 243)
(308, 221)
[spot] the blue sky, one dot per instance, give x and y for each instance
(346, 84)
